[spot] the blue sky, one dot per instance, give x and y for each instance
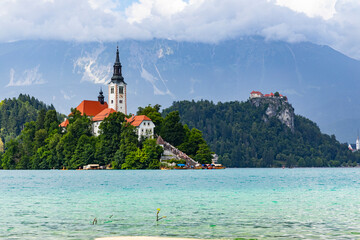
(328, 22)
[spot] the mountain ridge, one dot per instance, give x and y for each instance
(320, 82)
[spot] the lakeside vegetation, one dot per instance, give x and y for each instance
(237, 132)
(42, 144)
(15, 112)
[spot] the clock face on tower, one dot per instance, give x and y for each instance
(121, 95)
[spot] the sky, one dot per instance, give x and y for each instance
(326, 22)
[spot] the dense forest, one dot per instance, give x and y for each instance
(237, 132)
(15, 112)
(42, 144)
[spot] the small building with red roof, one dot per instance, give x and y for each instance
(144, 126)
(99, 118)
(255, 94)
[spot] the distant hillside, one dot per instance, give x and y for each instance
(15, 112)
(321, 83)
(263, 133)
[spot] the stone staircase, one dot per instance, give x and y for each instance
(176, 152)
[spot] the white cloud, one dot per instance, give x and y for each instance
(29, 77)
(67, 96)
(90, 69)
(312, 8)
(330, 22)
(137, 12)
(192, 86)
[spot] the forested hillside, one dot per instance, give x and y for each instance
(42, 144)
(237, 132)
(15, 112)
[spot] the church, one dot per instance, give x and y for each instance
(117, 102)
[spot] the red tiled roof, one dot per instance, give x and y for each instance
(91, 108)
(256, 92)
(103, 114)
(64, 123)
(137, 120)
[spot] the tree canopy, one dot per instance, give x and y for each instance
(15, 112)
(237, 132)
(42, 144)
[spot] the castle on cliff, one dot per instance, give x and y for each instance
(117, 102)
(257, 94)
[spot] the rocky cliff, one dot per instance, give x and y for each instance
(276, 107)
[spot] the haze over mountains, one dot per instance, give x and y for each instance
(319, 82)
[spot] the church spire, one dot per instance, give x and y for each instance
(117, 55)
(101, 97)
(117, 75)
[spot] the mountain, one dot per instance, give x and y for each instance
(320, 82)
(263, 132)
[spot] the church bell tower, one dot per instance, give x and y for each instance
(117, 88)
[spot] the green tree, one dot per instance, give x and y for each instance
(301, 162)
(27, 138)
(40, 136)
(84, 153)
(40, 119)
(52, 142)
(51, 121)
(135, 160)
(193, 141)
(128, 144)
(1, 146)
(12, 155)
(153, 153)
(145, 158)
(110, 138)
(268, 157)
(203, 155)
(172, 130)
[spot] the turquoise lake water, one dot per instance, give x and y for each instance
(231, 203)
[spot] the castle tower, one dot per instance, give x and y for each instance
(357, 143)
(117, 88)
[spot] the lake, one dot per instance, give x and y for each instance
(304, 203)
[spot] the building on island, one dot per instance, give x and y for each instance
(117, 88)
(144, 126)
(99, 110)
